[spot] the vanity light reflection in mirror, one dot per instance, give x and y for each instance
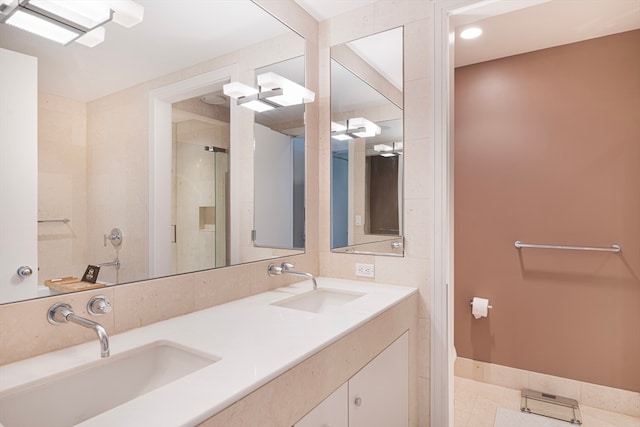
(93, 143)
(367, 145)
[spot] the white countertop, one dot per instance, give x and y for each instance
(255, 341)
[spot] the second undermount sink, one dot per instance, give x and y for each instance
(69, 398)
(319, 300)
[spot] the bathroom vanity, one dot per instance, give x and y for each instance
(266, 360)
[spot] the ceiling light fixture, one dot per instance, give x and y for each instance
(337, 127)
(292, 92)
(358, 127)
(341, 137)
(213, 99)
(362, 127)
(65, 21)
(471, 33)
(385, 150)
(339, 132)
(273, 91)
(382, 147)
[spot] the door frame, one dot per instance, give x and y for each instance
(160, 138)
(441, 46)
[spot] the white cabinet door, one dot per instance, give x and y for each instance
(332, 412)
(377, 396)
(379, 393)
(18, 175)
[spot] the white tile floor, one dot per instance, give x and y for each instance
(476, 404)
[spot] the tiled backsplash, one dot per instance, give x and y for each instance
(26, 332)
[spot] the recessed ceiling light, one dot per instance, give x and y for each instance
(213, 99)
(471, 33)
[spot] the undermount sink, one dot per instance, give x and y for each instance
(71, 397)
(319, 300)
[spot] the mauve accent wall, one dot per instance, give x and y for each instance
(547, 150)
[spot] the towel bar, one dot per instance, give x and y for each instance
(614, 248)
(64, 221)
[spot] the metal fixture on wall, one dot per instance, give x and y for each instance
(214, 149)
(386, 150)
(613, 248)
(99, 305)
(61, 313)
(357, 127)
(65, 21)
(273, 91)
(64, 220)
(115, 263)
(115, 237)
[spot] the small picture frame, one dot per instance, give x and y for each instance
(91, 274)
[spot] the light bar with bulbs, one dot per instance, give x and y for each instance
(65, 21)
(358, 127)
(292, 92)
(273, 91)
(385, 150)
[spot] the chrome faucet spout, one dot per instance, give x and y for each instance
(63, 313)
(115, 263)
(97, 328)
(302, 273)
(287, 267)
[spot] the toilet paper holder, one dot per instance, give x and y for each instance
(471, 303)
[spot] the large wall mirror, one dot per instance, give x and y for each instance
(145, 167)
(367, 145)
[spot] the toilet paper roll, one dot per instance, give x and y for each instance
(480, 307)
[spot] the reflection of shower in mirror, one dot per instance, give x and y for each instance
(115, 237)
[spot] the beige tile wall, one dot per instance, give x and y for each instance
(25, 331)
(62, 186)
(414, 269)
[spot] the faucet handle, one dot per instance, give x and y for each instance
(288, 266)
(57, 313)
(274, 270)
(99, 305)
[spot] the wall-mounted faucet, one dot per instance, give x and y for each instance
(115, 263)
(115, 237)
(288, 268)
(61, 313)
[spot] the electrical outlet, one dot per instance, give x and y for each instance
(365, 270)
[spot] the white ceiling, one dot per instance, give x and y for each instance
(325, 9)
(510, 27)
(548, 24)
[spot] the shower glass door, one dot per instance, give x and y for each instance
(200, 181)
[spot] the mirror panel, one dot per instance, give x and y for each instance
(367, 145)
(279, 168)
(98, 148)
